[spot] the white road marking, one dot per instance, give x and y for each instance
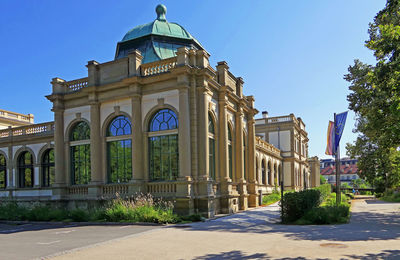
(124, 227)
(64, 232)
(48, 243)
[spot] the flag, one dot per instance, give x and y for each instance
(329, 146)
(340, 121)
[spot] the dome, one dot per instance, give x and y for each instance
(157, 40)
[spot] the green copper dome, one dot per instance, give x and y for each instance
(156, 40)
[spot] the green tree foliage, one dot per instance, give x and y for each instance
(375, 98)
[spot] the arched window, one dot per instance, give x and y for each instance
(163, 146)
(119, 150)
(269, 179)
(257, 173)
(263, 173)
(80, 153)
(3, 172)
(244, 157)
(25, 169)
(230, 153)
(275, 175)
(48, 169)
(211, 147)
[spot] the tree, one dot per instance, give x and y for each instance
(375, 98)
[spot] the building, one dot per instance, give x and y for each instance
(157, 119)
(348, 170)
(11, 119)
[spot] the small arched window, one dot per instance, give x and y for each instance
(119, 150)
(25, 170)
(163, 146)
(211, 146)
(230, 153)
(3, 172)
(48, 169)
(80, 153)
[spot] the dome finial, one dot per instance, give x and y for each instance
(161, 10)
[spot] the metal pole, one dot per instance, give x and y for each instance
(337, 161)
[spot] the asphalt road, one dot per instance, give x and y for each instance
(32, 241)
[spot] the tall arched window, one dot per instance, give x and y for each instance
(48, 169)
(230, 153)
(244, 157)
(275, 175)
(269, 179)
(80, 153)
(119, 150)
(257, 172)
(3, 172)
(163, 146)
(25, 169)
(211, 147)
(263, 173)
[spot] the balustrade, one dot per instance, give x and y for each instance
(158, 67)
(28, 130)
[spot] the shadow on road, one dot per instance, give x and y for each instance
(363, 226)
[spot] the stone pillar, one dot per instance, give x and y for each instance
(223, 136)
(93, 73)
(184, 134)
(240, 161)
(251, 148)
(137, 139)
(10, 181)
(135, 60)
(95, 145)
(203, 134)
(60, 174)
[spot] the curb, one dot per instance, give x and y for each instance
(22, 222)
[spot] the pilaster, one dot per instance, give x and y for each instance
(184, 134)
(137, 139)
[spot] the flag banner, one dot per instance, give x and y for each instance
(340, 121)
(331, 135)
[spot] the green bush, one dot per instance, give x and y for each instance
(271, 198)
(391, 196)
(12, 211)
(326, 215)
(325, 189)
(296, 204)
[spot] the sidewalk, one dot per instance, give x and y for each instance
(373, 233)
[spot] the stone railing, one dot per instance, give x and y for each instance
(78, 190)
(280, 119)
(157, 67)
(161, 188)
(113, 189)
(28, 130)
(16, 116)
(267, 147)
(77, 84)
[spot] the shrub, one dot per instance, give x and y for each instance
(12, 211)
(326, 215)
(296, 204)
(78, 215)
(325, 189)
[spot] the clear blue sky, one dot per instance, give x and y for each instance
(291, 54)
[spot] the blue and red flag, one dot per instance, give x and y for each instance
(335, 131)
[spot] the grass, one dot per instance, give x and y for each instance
(141, 208)
(271, 198)
(391, 197)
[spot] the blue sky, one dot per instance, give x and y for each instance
(292, 54)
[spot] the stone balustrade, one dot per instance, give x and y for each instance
(77, 84)
(28, 130)
(158, 67)
(16, 116)
(113, 189)
(161, 188)
(267, 147)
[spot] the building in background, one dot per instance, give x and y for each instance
(348, 170)
(12, 119)
(157, 119)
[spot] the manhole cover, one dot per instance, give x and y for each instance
(333, 245)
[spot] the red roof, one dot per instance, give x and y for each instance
(344, 169)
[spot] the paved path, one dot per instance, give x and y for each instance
(373, 233)
(38, 240)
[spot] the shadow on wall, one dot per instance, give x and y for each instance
(237, 255)
(370, 225)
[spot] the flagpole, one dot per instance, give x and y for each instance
(337, 161)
